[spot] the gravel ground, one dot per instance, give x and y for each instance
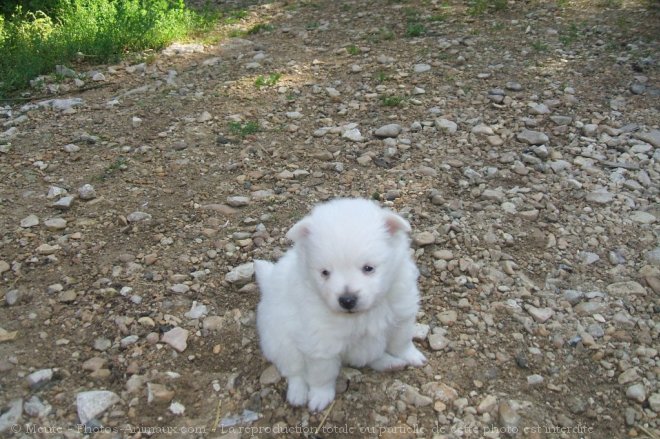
(523, 145)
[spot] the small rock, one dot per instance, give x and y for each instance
(482, 129)
(625, 289)
(353, 134)
(176, 408)
(534, 380)
(93, 403)
(446, 125)
(241, 275)
(508, 417)
(532, 137)
(601, 196)
(102, 344)
(29, 221)
(389, 130)
(11, 415)
(47, 249)
(421, 68)
(636, 392)
(55, 224)
(197, 311)
(423, 239)
(212, 323)
(448, 317)
(138, 216)
(269, 376)
(63, 203)
(642, 217)
(39, 378)
(87, 192)
(654, 402)
(36, 408)
(238, 201)
(413, 397)
(177, 338)
(541, 315)
(487, 404)
(438, 342)
(159, 394)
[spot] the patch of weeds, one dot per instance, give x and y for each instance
(243, 129)
(499, 26)
(437, 17)
(382, 76)
(353, 49)
(271, 80)
(375, 196)
(563, 3)
(118, 165)
(415, 30)
(611, 4)
(570, 36)
(480, 7)
(391, 101)
(411, 14)
(539, 46)
(261, 27)
(236, 16)
(237, 33)
(32, 43)
(313, 25)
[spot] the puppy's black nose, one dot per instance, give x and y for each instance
(348, 301)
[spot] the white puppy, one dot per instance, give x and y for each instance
(346, 293)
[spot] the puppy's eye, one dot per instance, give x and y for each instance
(325, 273)
(367, 269)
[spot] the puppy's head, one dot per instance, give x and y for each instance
(351, 249)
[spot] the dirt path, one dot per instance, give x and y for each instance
(525, 151)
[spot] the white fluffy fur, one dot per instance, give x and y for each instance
(302, 327)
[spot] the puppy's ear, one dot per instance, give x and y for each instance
(299, 231)
(394, 223)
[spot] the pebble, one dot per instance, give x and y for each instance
(11, 415)
(437, 342)
(642, 217)
(55, 224)
(93, 403)
(509, 419)
(625, 289)
(29, 221)
(138, 216)
(36, 408)
(238, 201)
(177, 338)
(63, 203)
(102, 344)
(269, 376)
(541, 315)
(601, 196)
(159, 393)
(636, 392)
(241, 274)
(532, 137)
(423, 239)
(421, 68)
(446, 126)
(389, 130)
(87, 192)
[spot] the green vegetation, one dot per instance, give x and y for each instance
(570, 36)
(32, 43)
(382, 76)
(353, 49)
(539, 46)
(113, 168)
(245, 129)
(313, 25)
(413, 28)
(235, 16)
(261, 27)
(480, 7)
(271, 80)
(391, 101)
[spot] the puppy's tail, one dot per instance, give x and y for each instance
(263, 271)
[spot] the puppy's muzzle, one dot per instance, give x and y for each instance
(348, 301)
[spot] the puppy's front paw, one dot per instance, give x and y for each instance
(413, 357)
(388, 362)
(320, 397)
(296, 393)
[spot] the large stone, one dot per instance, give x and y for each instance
(624, 289)
(241, 275)
(532, 137)
(177, 338)
(389, 130)
(93, 403)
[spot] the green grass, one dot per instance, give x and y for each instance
(261, 27)
(244, 129)
(480, 7)
(271, 80)
(353, 49)
(313, 25)
(391, 101)
(539, 46)
(32, 43)
(415, 30)
(438, 17)
(570, 36)
(235, 16)
(382, 76)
